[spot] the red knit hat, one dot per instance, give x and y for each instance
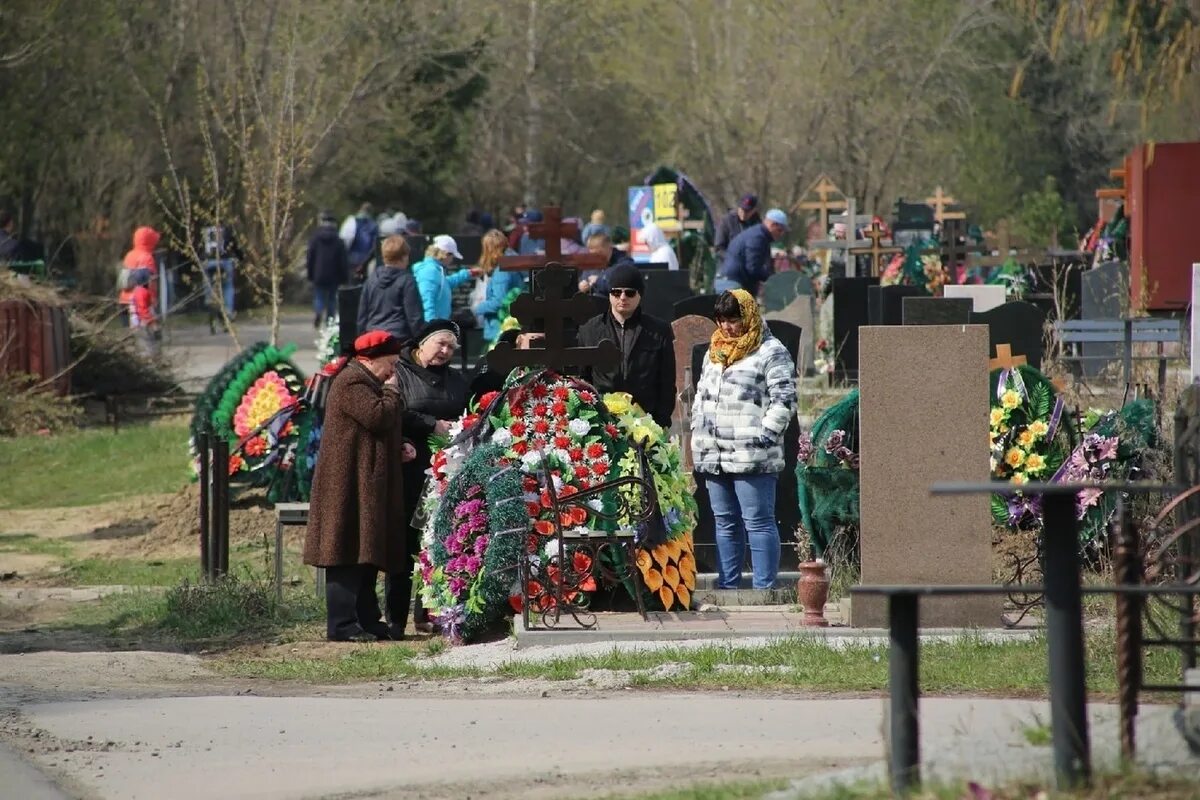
(373, 344)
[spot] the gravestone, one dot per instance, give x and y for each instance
(1017, 324)
(801, 312)
(1063, 279)
(849, 314)
(664, 288)
(781, 289)
(1101, 297)
(885, 303)
(700, 305)
(690, 332)
(983, 297)
(936, 311)
(907, 535)
(347, 300)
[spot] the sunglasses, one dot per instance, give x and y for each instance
(620, 292)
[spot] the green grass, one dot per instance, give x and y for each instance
(968, 665)
(1119, 786)
(93, 466)
(33, 545)
(751, 790)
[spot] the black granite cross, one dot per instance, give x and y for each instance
(953, 249)
(553, 308)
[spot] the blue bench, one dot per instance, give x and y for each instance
(1125, 332)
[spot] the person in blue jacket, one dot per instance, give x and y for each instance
(748, 260)
(499, 283)
(433, 283)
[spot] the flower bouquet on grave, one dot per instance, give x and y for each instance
(1028, 439)
(914, 267)
(827, 475)
(329, 342)
(546, 427)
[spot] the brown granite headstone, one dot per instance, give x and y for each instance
(689, 331)
(907, 443)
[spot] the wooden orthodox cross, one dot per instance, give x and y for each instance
(877, 250)
(553, 308)
(953, 250)
(552, 230)
(826, 201)
(1115, 193)
(941, 203)
(1005, 359)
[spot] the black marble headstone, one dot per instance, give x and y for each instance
(1103, 290)
(1017, 324)
(347, 300)
(780, 289)
(701, 305)
(849, 314)
(884, 303)
(937, 310)
(665, 288)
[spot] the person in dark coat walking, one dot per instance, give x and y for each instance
(435, 395)
(357, 501)
(737, 220)
(647, 367)
(390, 300)
(328, 267)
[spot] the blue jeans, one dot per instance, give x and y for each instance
(225, 265)
(325, 300)
(725, 285)
(744, 509)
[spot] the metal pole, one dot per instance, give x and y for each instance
(1064, 633)
(220, 506)
(203, 444)
(1186, 476)
(1128, 571)
(905, 764)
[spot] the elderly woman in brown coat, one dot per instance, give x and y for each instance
(356, 523)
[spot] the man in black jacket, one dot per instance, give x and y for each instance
(647, 366)
(739, 219)
(328, 267)
(390, 300)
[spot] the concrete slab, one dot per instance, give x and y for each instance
(19, 779)
(285, 747)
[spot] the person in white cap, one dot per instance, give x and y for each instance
(433, 283)
(748, 261)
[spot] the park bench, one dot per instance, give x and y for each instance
(1125, 332)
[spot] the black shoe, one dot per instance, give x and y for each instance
(362, 637)
(395, 633)
(379, 630)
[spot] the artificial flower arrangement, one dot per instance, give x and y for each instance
(827, 475)
(329, 342)
(823, 357)
(1031, 439)
(914, 267)
(487, 505)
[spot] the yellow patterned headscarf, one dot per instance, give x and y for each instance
(728, 350)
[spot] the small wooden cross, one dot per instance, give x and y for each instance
(1005, 359)
(941, 203)
(553, 230)
(876, 251)
(824, 189)
(554, 308)
(1116, 193)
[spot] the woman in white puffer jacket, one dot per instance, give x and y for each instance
(744, 401)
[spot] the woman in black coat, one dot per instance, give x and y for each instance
(435, 395)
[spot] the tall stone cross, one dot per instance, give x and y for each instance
(824, 189)
(554, 308)
(552, 230)
(941, 203)
(844, 245)
(877, 250)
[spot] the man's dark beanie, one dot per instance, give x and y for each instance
(626, 276)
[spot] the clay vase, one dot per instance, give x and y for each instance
(813, 590)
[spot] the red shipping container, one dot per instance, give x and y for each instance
(1162, 184)
(35, 338)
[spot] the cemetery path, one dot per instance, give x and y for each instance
(197, 355)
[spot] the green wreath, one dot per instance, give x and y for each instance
(472, 611)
